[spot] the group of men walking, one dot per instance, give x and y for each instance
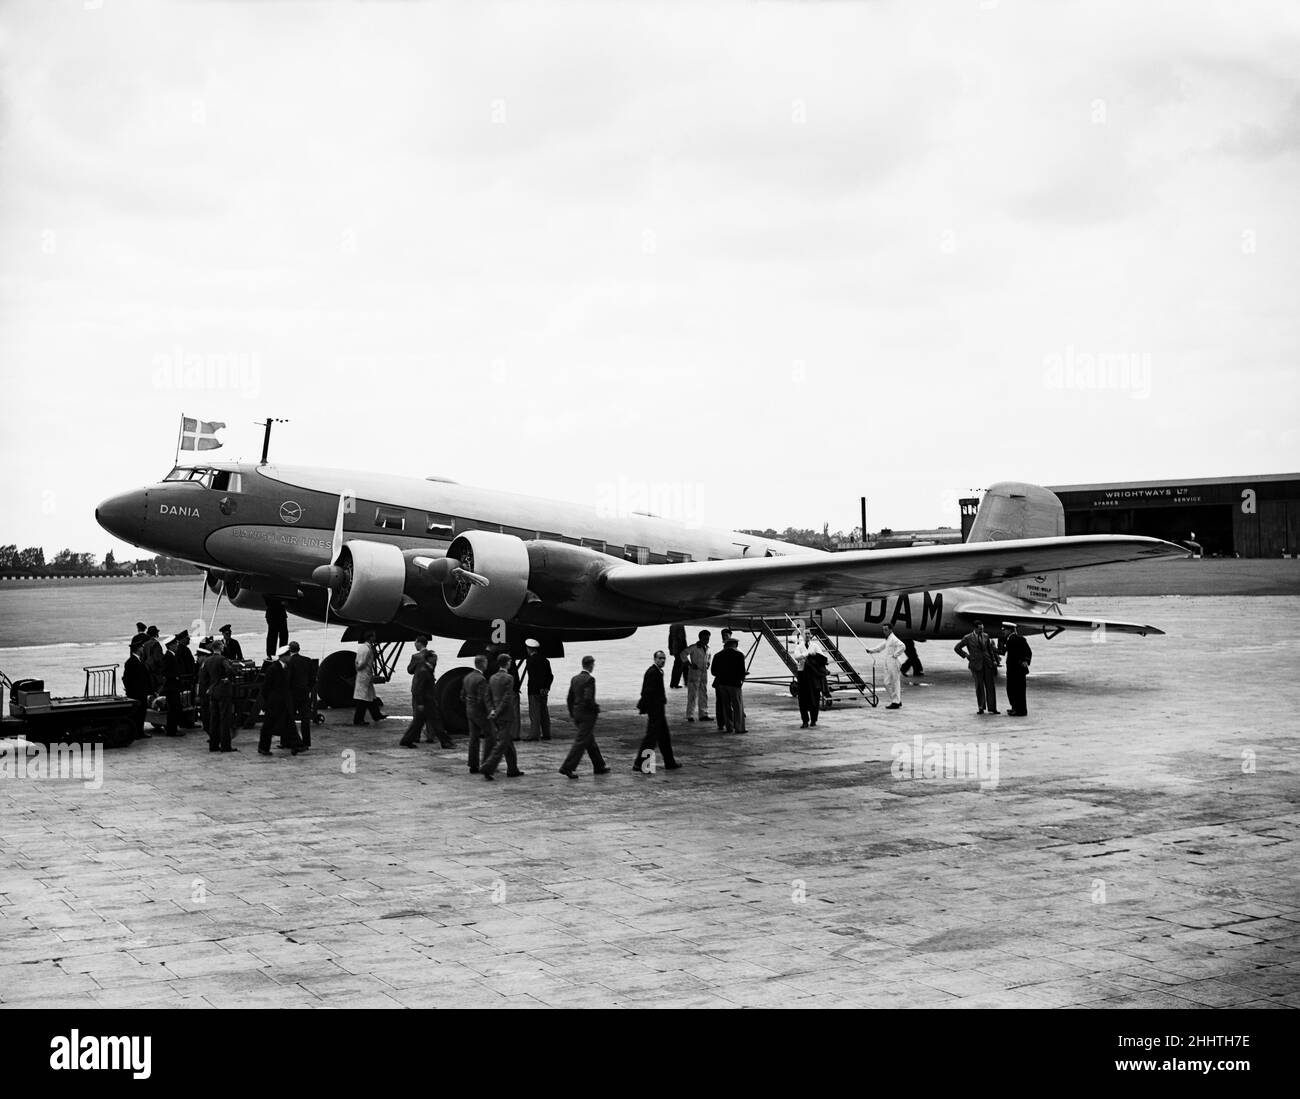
(493, 714)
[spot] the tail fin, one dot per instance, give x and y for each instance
(1015, 509)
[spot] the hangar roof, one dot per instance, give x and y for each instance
(1177, 483)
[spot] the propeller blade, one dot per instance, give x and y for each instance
(336, 546)
(473, 577)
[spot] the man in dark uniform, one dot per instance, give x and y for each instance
(208, 668)
(540, 678)
(277, 706)
(140, 636)
(172, 689)
(676, 646)
(913, 661)
(277, 626)
(230, 646)
(300, 681)
(654, 704)
(136, 684)
(1019, 656)
(583, 710)
(504, 717)
(474, 693)
(217, 700)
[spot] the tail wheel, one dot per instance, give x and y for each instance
(447, 692)
(336, 678)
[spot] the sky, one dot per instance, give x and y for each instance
(744, 263)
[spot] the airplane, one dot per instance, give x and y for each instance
(405, 556)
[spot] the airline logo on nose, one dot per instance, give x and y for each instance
(290, 511)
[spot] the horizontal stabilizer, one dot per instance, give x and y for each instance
(1028, 622)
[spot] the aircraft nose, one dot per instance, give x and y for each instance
(123, 515)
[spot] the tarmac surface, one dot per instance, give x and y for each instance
(1136, 847)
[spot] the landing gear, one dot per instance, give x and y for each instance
(336, 678)
(447, 692)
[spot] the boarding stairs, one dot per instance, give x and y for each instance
(781, 632)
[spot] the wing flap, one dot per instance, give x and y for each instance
(773, 585)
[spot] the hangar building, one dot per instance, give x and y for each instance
(1245, 516)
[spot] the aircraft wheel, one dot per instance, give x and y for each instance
(336, 677)
(447, 692)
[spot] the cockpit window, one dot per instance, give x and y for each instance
(219, 479)
(196, 474)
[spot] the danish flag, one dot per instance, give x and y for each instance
(199, 434)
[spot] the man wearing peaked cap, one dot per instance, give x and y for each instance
(232, 648)
(277, 706)
(540, 678)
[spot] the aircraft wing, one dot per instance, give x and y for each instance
(774, 585)
(1051, 624)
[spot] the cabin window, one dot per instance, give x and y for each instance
(549, 536)
(639, 554)
(519, 532)
(225, 481)
(390, 518)
(593, 544)
(676, 557)
(715, 558)
(440, 526)
(474, 524)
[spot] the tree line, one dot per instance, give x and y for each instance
(32, 558)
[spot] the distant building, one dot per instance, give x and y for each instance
(1242, 516)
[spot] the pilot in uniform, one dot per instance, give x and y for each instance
(172, 691)
(504, 717)
(893, 649)
(474, 693)
(1019, 656)
(137, 684)
(583, 710)
(230, 647)
(277, 706)
(540, 678)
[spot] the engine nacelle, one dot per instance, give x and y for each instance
(236, 591)
(503, 560)
(373, 578)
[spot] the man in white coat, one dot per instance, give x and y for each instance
(363, 692)
(893, 649)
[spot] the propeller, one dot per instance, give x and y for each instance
(443, 569)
